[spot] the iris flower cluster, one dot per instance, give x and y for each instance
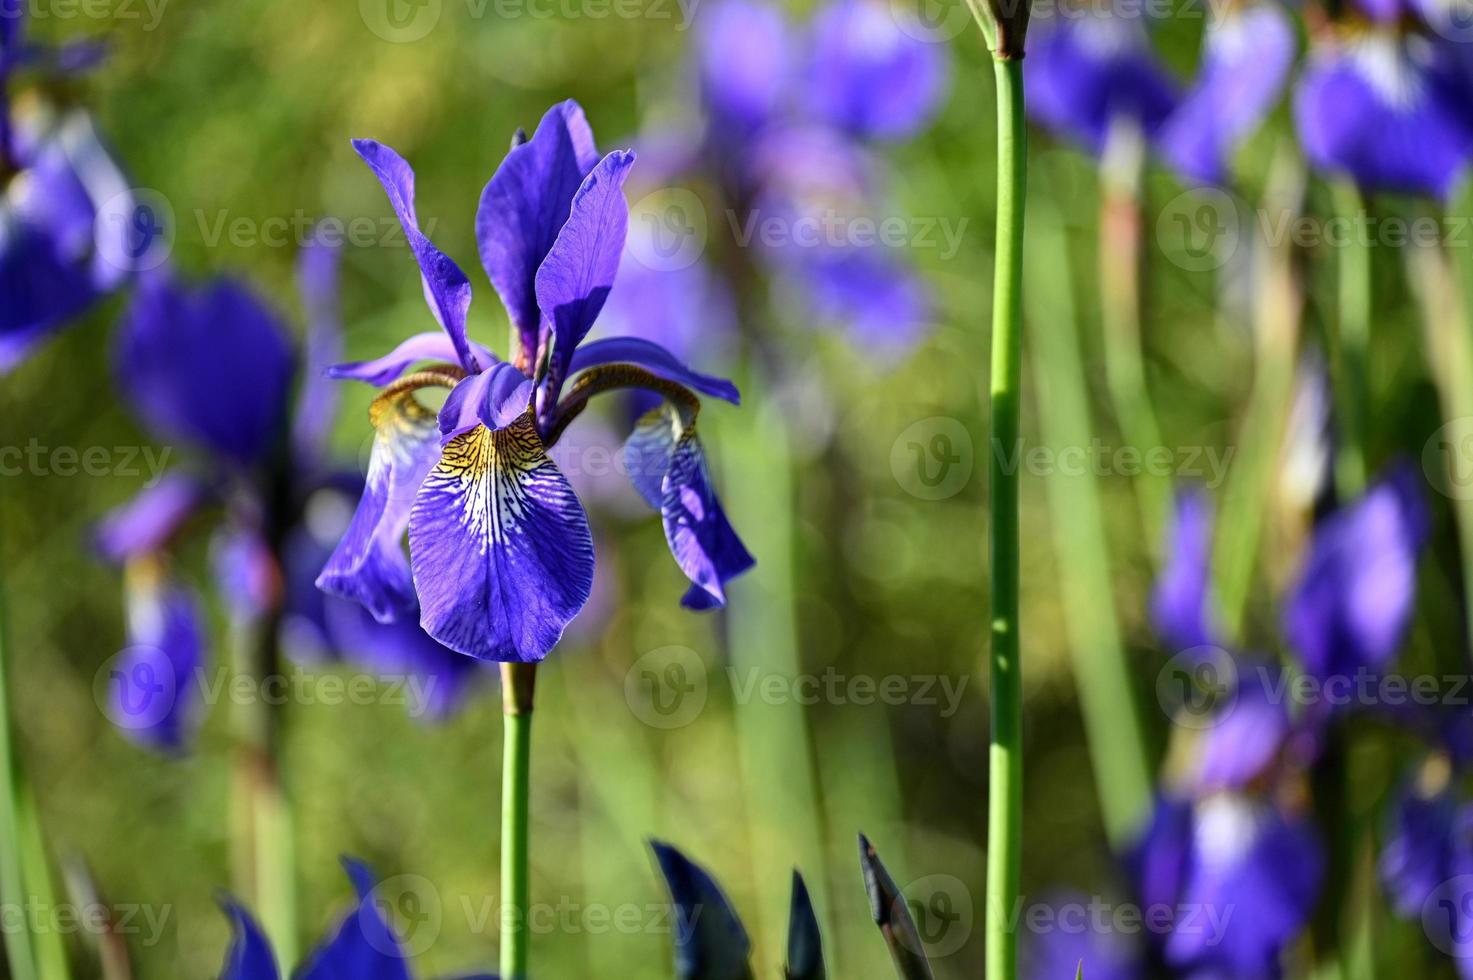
(211, 366)
(783, 134)
(56, 178)
(500, 553)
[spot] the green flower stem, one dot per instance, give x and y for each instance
(518, 687)
(1351, 343)
(1120, 308)
(1005, 775)
(19, 949)
(1117, 743)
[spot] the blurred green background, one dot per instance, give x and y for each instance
(245, 111)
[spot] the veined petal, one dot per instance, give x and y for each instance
(494, 397)
(701, 538)
(368, 565)
(249, 956)
(447, 290)
(421, 347)
(364, 946)
(524, 207)
(654, 359)
(580, 268)
(501, 550)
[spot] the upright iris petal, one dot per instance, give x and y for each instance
(1089, 70)
(1388, 111)
(1181, 600)
(1351, 604)
(368, 565)
(1246, 61)
(745, 61)
(502, 553)
(318, 277)
(447, 290)
(525, 206)
(249, 956)
(364, 947)
(209, 365)
(870, 78)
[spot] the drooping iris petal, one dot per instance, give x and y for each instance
(368, 565)
(1089, 70)
(524, 207)
(1246, 60)
(1105, 952)
(208, 365)
(654, 359)
(710, 940)
(317, 397)
(249, 956)
(701, 539)
(870, 78)
(1242, 743)
(1420, 852)
(745, 61)
(1387, 111)
(421, 347)
(495, 397)
(153, 684)
(364, 946)
(446, 288)
(1350, 606)
(144, 524)
(1266, 866)
(501, 549)
(580, 268)
(1181, 599)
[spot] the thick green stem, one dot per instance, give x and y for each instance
(19, 949)
(1117, 742)
(518, 685)
(1005, 776)
(1351, 343)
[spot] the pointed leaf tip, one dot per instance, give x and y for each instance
(805, 942)
(892, 915)
(710, 941)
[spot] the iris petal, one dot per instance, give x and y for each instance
(154, 696)
(1180, 600)
(421, 347)
(494, 397)
(654, 359)
(524, 207)
(502, 553)
(144, 524)
(579, 271)
(364, 947)
(249, 956)
(447, 290)
(368, 565)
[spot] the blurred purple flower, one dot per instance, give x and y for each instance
(1104, 954)
(146, 523)
(1350, 605)
(746, 62)
(1090, 70)
(869, 78)
(1247, 55)
(500, 549)
(1181, 601)
(1429, 840)
(1242, 744)
(1391, 111)
(154, 691)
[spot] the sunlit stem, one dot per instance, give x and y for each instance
(19, 948)
(1351, 343)
(518, 689)
(1005, 774)
(1116, 739)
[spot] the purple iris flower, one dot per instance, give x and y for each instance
(1181, 601)
(746, 60)
(869, 78)
(56, 256)
(1250, 870)
(1247, 55)
(1089, 70)
(501, 556)
(154, 697)
(1429, 841)
(1349, 609)
(1389, 109)
(364, 946)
